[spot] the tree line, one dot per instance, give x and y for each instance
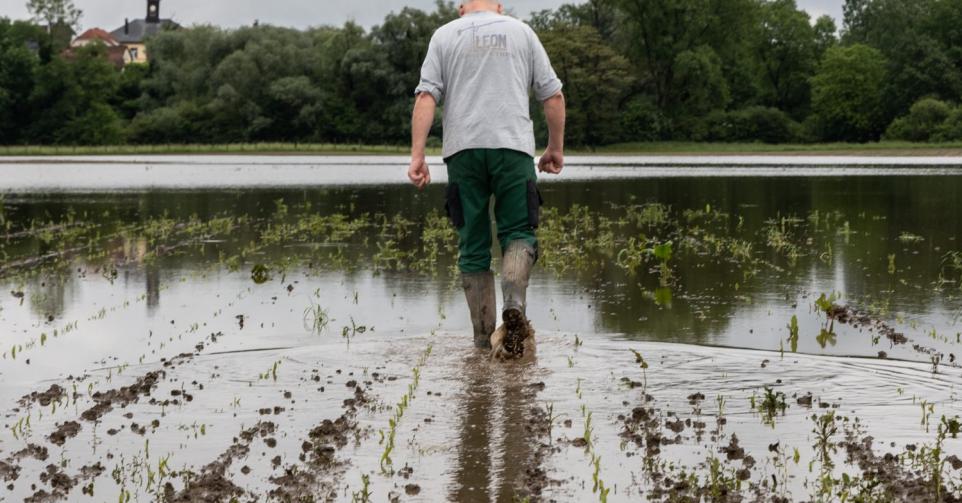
(634, 71)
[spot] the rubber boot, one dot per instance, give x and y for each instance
(479, 292)
(517, 261)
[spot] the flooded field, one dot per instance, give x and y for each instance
(293, 329)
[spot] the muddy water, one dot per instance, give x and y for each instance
(188, 379)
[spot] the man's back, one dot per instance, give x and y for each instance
(482, 67)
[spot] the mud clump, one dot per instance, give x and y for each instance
(207, 487)
(32, 451)
(9, 472)
(122, 397)
(212, 484)
(64, 431)
(59, 482)
(848, 315)
(733, 451)
(54, 393)
(300, 485)
(330, 433)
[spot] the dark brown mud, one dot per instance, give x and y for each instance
(212, 482)
(54, 393)
(319, 468)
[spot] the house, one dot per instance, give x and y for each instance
(94, 35)
(116, 53)
(135, 32)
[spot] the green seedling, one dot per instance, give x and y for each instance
(928, 409)
(589, 431)
(643, 365)
(825, 303)
(952, 426)
(364, 494)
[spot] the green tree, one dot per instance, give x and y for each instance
(70, 101)
(598, 14)
(18, 67)
(919, 40)
(55, 12)
(788, 53)
(683, 49)
(596, 80)
(826, 35)
(847, 94)
(60, 18)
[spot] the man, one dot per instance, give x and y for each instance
(483, 66)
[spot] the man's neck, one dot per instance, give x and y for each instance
(479, 9)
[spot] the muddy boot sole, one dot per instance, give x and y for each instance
(516, 331)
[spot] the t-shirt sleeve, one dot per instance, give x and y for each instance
(545, 81)
(432, 74)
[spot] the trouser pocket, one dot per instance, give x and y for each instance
(453, 206)
(534, 204)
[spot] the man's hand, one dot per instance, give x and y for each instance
(421, 119)
(553, 161)
(419, 172)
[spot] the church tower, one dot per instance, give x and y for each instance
(153, 11)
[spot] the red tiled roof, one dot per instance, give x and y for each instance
(98, 34)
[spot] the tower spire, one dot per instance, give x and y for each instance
(153, 11)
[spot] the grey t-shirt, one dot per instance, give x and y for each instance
(482, 67)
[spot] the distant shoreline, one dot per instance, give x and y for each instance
(883, 149)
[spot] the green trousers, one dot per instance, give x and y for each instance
(474, 176)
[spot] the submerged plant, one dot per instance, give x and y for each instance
(793, 333)
(825, 429)
(640, 360)
(772, 404)
(260, 274)
(316, 318)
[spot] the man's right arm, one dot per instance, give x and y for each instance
(421, 120)
(547, 89)
(428, 94)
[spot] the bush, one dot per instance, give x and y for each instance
(99, 125)
(951, 128)
(756, 123)
(161, 126)
(925, 116)
(642, 121)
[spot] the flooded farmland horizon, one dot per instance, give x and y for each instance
(293, 329)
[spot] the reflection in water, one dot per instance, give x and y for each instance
(494, 450)
(152, 274)
(844, 233)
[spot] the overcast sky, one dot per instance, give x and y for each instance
(110, 14)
